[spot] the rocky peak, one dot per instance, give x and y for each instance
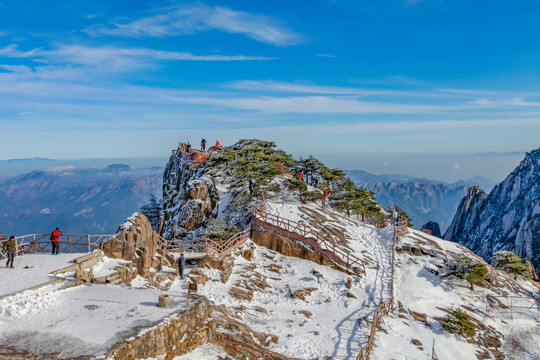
(506, 219)
(189, 195)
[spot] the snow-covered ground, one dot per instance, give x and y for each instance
(77, 321)
(420, 291)
(367, 242)
(31, 270)
(332, 323)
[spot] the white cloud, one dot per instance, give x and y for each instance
(11, 51)
(456, 166)
(191, 19)
(61, 168)
(285, 87)
(318, 105)
(66, 61)
(515, 101)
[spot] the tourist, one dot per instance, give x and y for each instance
(218, 144)
(10, 247)
(181, 265)
(203, 144)
(55, 241)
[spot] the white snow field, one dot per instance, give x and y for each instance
(32, 270)
(76, 321)
(423, 292)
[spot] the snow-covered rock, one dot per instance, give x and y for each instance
(506, 219)
(189, 196)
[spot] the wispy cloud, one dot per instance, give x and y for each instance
(319, 105)
(66, 59)
(194, 18)
(287, 87)
(12, 52)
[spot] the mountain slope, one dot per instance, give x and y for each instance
(506, 219)
(277, 296)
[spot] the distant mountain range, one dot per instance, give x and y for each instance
(13, 167)
(78, 200)
(424, 200)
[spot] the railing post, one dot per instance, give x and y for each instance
(35, 244)
(88, 237)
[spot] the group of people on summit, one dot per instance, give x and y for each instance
(10, 246)
(186, 147)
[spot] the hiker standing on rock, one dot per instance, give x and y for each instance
(218, 144)
(181, 264)
(55, 241)
(10, 247)
(203, 144)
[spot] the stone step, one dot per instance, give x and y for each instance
(86, 262)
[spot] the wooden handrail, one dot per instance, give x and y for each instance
(349, 260)
(205, 245)
(70, 243)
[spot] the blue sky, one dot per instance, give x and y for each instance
(433, 88)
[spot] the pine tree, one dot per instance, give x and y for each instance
(465, 268)
(511, 263)
(152, 211)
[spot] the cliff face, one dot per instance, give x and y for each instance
(506, 219)
(189, 196)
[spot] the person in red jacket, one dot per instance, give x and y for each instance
(55, 241)
(218, 144)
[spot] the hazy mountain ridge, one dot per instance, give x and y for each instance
(365, 177)
(508, 218)
(423, 199)
(85, 200)
(14, 167)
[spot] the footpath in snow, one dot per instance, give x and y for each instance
(350, 331)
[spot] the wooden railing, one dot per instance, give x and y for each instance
(383, 309)
(69, 243)
(339, 256)
(205, 245)
(401, 227)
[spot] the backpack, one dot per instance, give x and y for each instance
(52, 237)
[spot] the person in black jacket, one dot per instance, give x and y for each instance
(181, 265)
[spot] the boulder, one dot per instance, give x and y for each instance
(197, 276)
(433, 227)
(135, 241)
(302, 294)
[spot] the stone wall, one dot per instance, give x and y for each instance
(175, 335)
